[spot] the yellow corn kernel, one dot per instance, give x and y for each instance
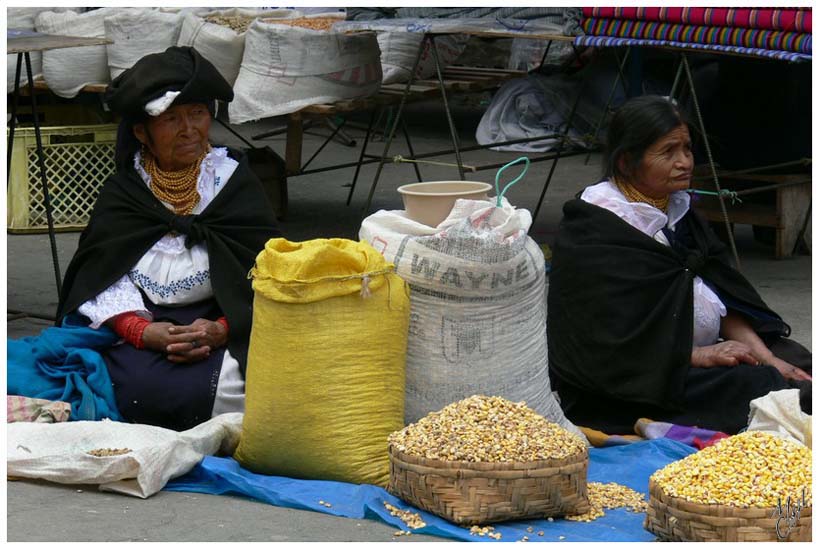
(486, 429)
(752, 469)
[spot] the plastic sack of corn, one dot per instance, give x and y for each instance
(325, 376)
(478, 306)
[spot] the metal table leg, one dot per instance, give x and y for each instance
(543, 59)
(453, 133)
(562, 140)
(676, 81)
(361, 156)
(410, 148)
(41, 160)
(393, 127)
(621, 63)
(336, 130)
(13, 121)
(691, 82)
(343, 137)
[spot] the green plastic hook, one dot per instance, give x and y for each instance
(500, 195)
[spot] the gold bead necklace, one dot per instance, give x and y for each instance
(177, 188)
(633, 195)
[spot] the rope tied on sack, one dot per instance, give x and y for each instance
(366, 279)
(365, 292)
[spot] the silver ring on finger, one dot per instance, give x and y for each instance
(195, 344)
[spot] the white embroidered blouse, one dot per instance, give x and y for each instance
(168, 273)
(708, 308)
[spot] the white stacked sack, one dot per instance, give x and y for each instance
(477, 306)
(399, 51)
(136, 33)
(23, 19)
(67, 70)
(286, 68)
(220, 44)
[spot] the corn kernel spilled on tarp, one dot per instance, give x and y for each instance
(325, 378)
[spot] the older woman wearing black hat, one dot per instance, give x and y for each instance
(646, 318)
(165, 256)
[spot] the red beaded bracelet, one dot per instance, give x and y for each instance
(130, 327)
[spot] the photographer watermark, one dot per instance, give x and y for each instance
(788, 517)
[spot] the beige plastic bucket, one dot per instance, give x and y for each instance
(430, 202)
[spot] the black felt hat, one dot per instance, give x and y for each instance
(179, 69)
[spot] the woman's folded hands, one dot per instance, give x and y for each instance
(186, 343)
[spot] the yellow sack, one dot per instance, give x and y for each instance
(325, 377)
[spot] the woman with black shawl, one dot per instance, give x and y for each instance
(165, 256)
(646, 318)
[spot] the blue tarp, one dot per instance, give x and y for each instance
(63, 364)
(629, 465)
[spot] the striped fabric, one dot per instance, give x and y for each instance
(781, 19)
(609, 41)
(694, 34)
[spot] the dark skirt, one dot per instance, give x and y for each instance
(149, 389)
(716, 398)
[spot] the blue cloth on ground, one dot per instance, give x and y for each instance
(629, 465)
(64, 364)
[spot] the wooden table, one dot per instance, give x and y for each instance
(28, 41)
(785, 207)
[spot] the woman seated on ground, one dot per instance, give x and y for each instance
(165, 256)
(646, 318)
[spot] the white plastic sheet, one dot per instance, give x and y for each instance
(60, 452)
(779, 413)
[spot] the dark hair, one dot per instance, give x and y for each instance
(127, 143)
(639, 123)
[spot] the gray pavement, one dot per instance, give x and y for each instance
(46, 512)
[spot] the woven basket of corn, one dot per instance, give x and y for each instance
(747, 488)
(486, 460)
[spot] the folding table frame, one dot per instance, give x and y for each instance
(430, 38)
(293, 152)
(23, 44)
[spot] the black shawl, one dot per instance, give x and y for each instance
(619, 317)
(128, 219)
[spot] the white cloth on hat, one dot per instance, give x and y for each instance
(157, 106)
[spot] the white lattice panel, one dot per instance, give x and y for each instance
(75, 173)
